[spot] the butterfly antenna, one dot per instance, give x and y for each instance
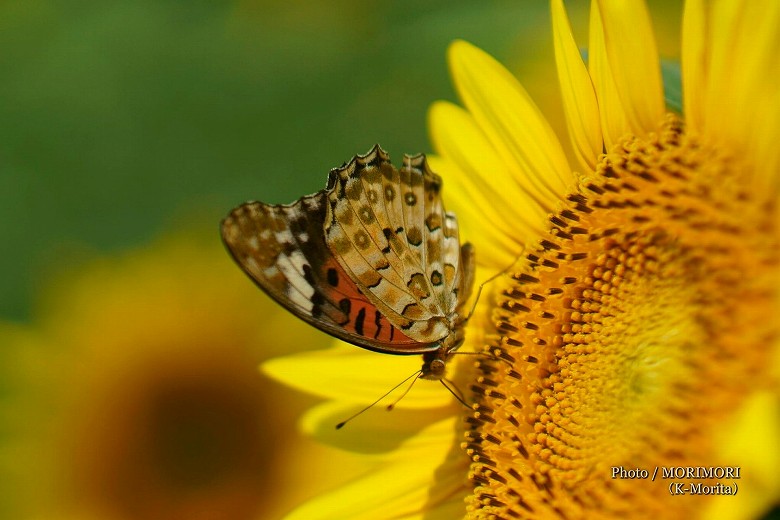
(455, 391)
(392, 405)
(415, 376)
(483, 284)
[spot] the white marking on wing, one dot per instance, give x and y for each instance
(284, 236)
(270, 272)
(300, 291)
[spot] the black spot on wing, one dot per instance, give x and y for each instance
(308, 275)
(388, 235)
(359, 319)
(302, 223)
(290, 248)
(378, 323)
(317, 301)
(333, 203)
(333, 277)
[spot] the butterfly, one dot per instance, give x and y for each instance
(373, 259)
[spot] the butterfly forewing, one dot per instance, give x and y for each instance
(282, 248)
(388, 228)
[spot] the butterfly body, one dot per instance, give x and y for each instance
(373, 259)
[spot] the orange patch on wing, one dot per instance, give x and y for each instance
(364, 319)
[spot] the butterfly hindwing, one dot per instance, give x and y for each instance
(283, 249)
(388, 228)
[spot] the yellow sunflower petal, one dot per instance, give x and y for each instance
(633, 58)
(486, 278)
(766, 135)
(693, 63)
(722, 42)
(399, 484)
(752, 441)
(759, 51)
(447, 510)
(494, 245)
(479, 187)
(579, 98)
(376, 431)
(455, 135)
(743, 108)
(614, 122)
(353, 375)
(512, 123)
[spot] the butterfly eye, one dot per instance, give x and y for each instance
(433, 369)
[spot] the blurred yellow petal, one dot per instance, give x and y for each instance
(750, 442)
(511, 122)
(350, 374)
(743, 109)
(694, 64)
(579, 98)
(135, 393)
(725, 19)
(633, 62)
(614, 121)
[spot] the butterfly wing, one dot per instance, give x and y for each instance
(389, 230)
(282, 248)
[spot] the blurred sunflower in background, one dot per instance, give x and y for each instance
(135, 395)
(640, 329)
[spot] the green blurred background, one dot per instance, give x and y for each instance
(121, 119)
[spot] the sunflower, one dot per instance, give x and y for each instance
(135, 395)
(638, 330)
